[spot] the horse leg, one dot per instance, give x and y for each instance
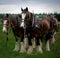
(33, 42)
(22, 50)
(48, 37)
(53, 38)
(39, 45)
(47, 45)
(25, 42)
(30, 49)
(16, 44)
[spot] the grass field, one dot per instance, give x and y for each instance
(6, 51)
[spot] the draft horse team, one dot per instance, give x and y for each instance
(31, 30)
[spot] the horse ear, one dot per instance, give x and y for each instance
(21, 9)
(7, 15)
(26, 8)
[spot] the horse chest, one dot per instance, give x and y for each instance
(16, 31)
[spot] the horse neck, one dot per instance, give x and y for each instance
(29, 19)
(30, 16)
(13, 24)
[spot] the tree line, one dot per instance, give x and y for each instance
(56, 15)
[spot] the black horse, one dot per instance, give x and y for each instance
(13, 22)
(31, 30)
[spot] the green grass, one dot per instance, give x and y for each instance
(6, 48)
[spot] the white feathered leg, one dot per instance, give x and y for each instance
(16, 47)
(39, 48)
(22, 50)
(47, 46)
(25, 42)
(30, 49)
(33, 42)
(40, 43)
(53, 39)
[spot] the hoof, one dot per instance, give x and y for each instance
(16, 47)
(48, 50)
(22, 51)
(53, 41)
(30, 50)
(16, 50)
(39, 50)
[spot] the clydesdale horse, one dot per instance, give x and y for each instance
(11, 21)
(38, 30)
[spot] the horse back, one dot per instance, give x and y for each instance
(45, 23)
(44, 26)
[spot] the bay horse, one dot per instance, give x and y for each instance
(48, 27)
(26, 23)
(11, 21)
(53, 25)
(36, 32)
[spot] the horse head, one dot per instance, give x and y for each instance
(6, 23)
(26, 18)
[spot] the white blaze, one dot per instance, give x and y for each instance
(23, 17)
(4, 26)
(22, 23)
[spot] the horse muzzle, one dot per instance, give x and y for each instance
(22, 25)
(4, 29)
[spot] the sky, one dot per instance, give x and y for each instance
(36, 6)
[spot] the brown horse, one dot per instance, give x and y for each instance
(38, 31)
(11, 21)
(27, 19)
(53, 25)
(42, 30)
(48, 27)
(36, 28)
